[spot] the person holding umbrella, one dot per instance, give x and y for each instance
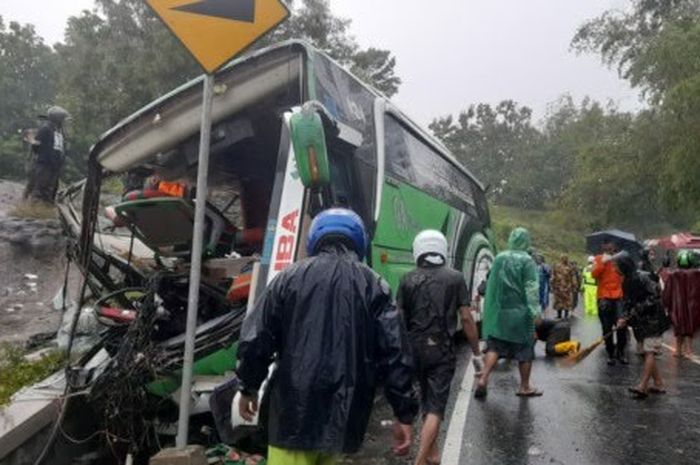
(610, 296)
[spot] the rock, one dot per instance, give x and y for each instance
(38, 241)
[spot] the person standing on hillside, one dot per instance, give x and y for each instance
(564, 285)
(545, 275)
(430, 297)
(49, 148)
(333, 327)
(610, 295)
(511, 310)
(589, 286)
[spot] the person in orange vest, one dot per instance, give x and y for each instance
(610, 295)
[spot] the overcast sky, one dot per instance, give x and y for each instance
(450, 53)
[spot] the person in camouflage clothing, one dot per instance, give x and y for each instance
(564, 285)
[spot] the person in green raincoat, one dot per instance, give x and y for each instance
(511, 310)
(589, 286)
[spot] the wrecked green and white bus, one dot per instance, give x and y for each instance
(293, 133)
(382, 165)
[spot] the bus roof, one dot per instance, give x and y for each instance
(115, 154)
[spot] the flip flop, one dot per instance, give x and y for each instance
(532, 393)
(480, 392)
(638, 393)
(655, 390)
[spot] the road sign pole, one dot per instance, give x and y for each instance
(196, 263)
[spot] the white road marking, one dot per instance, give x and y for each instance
(455, 433)
(693, 359)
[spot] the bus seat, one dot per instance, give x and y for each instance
(240, 288)
(165, 225)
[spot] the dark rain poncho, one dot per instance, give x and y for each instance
(512, 303)
(335, 328)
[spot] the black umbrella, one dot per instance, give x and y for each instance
(624, 241)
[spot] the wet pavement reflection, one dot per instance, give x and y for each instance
(586, 415)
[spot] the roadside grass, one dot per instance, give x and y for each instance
(552, 235)
(17, 372)
(34, 210)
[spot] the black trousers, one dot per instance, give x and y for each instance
(609, 311)
(43, 182)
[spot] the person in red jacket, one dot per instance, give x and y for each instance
(610, 296)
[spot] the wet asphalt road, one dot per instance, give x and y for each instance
(586, 415)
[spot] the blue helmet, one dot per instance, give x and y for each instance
(338, 222)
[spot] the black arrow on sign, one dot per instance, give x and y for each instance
(237, 10)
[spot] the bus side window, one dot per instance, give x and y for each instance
(410, 159)
(398, 158)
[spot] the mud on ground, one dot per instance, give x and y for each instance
(28, 247)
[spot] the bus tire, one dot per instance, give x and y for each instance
(476, 265)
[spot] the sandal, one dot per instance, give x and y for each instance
(657, 390)
(480, 392)
(531, 393)
(638, 393)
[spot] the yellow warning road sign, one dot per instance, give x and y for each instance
(215, 31)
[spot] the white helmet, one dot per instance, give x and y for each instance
(591, 259)
(429, 241)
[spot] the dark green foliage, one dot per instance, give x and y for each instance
(494, 142)
(115, 59)
(27, 87)
(598, 166)
(17, 372)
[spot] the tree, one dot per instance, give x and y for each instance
(656, 46)
(623, 38)
(313, 21)
(27, 88)
(115, 59)
(495, 143)
(616, 173)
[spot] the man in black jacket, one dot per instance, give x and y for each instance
(49, 151)
(334, 329)
(431, 297)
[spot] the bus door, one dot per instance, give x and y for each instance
(285, 221)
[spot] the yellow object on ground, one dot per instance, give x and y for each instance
(566, 348)
(276, 456)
